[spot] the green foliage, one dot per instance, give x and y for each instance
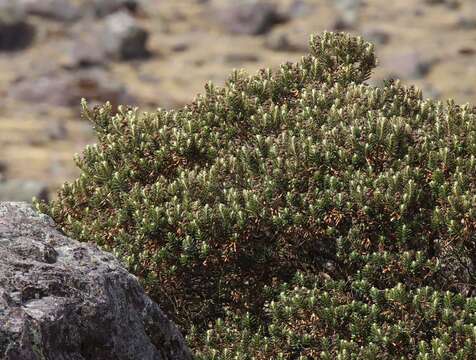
(307, 169)
(314, 318)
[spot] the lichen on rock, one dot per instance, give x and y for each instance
(62, 299)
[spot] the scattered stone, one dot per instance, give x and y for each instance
(239, 58)
(466, 50)
(180, 46)
(86, 48)
(122, 37)
(59, 10)
(56, 130)
(67, 88)
(86, 52)
(15, 32)
(349, 11)
(468, 91)
(466, 22)
(300, 8)
(278, 42)
(407, 65)
(451, 4)
(429, 91)
(22, 190)
(290, 41)
(376, 36)
(106, 7)
(250, 17)
(62, 299)
(3, 170)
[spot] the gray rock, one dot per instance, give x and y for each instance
(452, 4)
(429, 91)
(66, 88)
(60, 10)
(407, 65)
(294, 39)
(349, 11)
(250, 17)
(376, 35)
(22, 190)
(56, 130)
(300, 8)
(286, 41)
(15, 32)
(86, 48)
(3, 170)
(122, 38)
(278, 42)
(107, 7)
(73, 10)
(65, 300)
(237, 58)
(118, 37)
(466, 22)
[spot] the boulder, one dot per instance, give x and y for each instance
(467, 19)
(73, 10)
(86, 48)
(238, 58)
(123, 38)
(15, 32)
(376, 35)
(406, 65)
(66, 88)
(107, 7)
(116, 37)
(300, 8)
(349, 11)
(3, 170)
(62, 299)
(452, 4)
(56, 130)
(249, 17)
(59, 10)
(287, 40)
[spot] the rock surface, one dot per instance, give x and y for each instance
(408, 65)
(59, 10)
(73, 10)
(106, 7)
(250, 18)
(15, 32)
(67, 88)
(61, 299)
(123, 38)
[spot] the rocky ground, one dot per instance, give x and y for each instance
(160, 53)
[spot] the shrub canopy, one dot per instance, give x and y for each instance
(218, 205)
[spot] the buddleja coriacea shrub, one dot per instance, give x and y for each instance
(294, 214)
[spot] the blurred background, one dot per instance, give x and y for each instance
(160, 53)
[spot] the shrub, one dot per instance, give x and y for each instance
(314, 318)
(214, 206)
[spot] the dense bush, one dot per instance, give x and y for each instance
(217, 205)
(326, 319)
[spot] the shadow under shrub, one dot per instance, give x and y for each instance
(215, 205)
